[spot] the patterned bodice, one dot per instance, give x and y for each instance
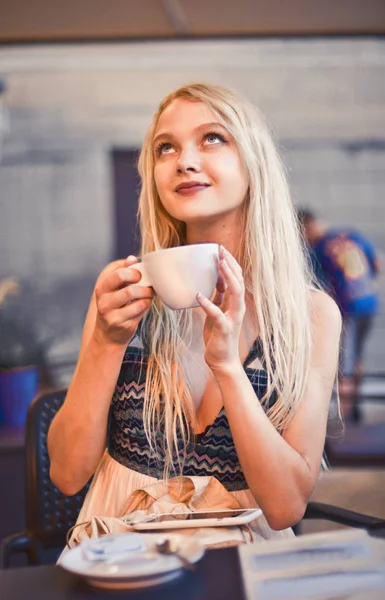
(209, 453)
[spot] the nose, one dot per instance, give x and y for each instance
(188, 161)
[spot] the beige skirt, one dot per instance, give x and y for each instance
(114, 483)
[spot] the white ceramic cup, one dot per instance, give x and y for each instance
(178, 274)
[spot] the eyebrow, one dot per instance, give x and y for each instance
(170, 136)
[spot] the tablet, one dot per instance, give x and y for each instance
(210, 518)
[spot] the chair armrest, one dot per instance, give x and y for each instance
(336, 514)
(16, 544)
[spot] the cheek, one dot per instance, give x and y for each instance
(160, 178)
(234, 174)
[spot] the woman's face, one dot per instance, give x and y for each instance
(198, 171)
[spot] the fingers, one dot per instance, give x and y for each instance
(231, 273)
(122, 316)
(130, 260)
(123, 296)
(232, 263)
(234, 284)
(119, 289)
(230, 292)
(213, 311)
(222, 283)
(117, 279)
(219, 293)
(120, 277)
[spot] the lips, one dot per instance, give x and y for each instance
(190, 187)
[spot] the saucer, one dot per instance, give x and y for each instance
(134, 584)
(144, 568)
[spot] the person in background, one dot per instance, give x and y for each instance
(236, 389)
(346, 264)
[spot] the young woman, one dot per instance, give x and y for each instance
(237, 388)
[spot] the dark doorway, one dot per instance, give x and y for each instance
(126, 182)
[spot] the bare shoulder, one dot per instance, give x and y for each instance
(324, 312)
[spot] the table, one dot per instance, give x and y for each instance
(216, 577)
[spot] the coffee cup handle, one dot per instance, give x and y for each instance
(145, 281)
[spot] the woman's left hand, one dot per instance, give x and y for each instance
(224, 315)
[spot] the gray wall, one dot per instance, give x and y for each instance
(69, 106)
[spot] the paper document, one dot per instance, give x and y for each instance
(320, 566)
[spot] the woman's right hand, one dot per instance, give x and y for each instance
(121, 302)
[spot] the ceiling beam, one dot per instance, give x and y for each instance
(23, 21)
(177, 17)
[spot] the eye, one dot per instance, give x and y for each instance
(163, 148)
(213, 138)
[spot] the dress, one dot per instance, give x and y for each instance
(127, 464)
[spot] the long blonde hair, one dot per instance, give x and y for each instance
(274, 266)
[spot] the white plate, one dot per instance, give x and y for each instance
(130, 584)
(136, 570)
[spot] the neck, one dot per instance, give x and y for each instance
(228, 234)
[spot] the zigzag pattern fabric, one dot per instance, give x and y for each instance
(209, 453)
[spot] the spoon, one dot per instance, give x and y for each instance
(168, 546)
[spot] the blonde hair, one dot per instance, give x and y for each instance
(274, 266)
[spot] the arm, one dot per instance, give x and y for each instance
(77, 436)
(281, 471)
(371, 253)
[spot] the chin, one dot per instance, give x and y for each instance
(200, 218)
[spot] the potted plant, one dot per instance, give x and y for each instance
(22, 354)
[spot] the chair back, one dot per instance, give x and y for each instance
(49, 512)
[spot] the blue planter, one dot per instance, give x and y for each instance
(18, 387)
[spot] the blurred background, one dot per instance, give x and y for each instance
(77, 110)
(79, 82)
